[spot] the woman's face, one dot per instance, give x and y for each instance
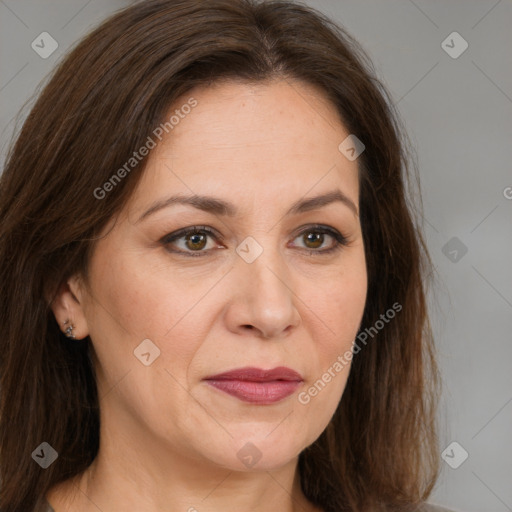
(267, 288)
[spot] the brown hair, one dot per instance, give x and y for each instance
(380, 448)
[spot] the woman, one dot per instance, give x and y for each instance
(212, 283)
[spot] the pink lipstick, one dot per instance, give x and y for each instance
(257, 386)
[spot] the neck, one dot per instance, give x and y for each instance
(128, 482)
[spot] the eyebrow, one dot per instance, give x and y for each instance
(218, 206)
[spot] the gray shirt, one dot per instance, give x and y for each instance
(427, 507)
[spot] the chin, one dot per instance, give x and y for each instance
(263, 451)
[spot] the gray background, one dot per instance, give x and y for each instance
(458, 113)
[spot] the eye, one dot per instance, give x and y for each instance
(314, 237)
(195, 239)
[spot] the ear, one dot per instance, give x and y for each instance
(68, 307)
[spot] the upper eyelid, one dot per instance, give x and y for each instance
(185, 231)
(176, 235)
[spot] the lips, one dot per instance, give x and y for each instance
(257, 386)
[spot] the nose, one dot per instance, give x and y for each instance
(263, 301)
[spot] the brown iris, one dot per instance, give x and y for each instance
(316, 239)
(196, 241)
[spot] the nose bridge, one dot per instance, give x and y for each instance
(268, 277)
(267, 288)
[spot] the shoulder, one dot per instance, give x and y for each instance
(427, 507)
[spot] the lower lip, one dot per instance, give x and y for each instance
(257, 392)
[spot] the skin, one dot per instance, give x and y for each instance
(169, 441)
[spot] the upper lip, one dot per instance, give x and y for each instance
(252, 374)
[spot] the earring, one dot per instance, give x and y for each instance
(69, 330)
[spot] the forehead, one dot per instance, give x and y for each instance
(251, 141)
(281, 113)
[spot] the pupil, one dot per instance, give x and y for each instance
(315, 239)
(196, 239)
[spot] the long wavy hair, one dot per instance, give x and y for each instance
(380, 449)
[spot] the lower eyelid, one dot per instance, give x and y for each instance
(170, 241)
(335, 243)
(338, 238)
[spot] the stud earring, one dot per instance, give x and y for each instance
(69, 330)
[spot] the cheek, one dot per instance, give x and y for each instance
(338, 303)
(339, 308)
(322, 394)
(135, 301)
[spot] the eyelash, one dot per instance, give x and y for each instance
(167, 240)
